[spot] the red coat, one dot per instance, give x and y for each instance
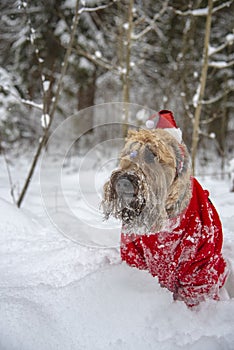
(187, 260)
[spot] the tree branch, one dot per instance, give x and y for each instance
(214, 50)
(221, 64)
(203, 11)
(208, 121)
(217, 98)
(97, 61)
(31, 104)
(97, 8)
(22, 100)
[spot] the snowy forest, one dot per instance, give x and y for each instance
(159, 54)
(75, 75)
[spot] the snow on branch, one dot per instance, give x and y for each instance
(229, 41)
(97, 8)
(197, 12)
(221, 64)
(32, 104)
(22, 100)
(196, 96)
(202, 11)
(221, 6)
(212, 50)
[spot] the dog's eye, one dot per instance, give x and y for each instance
(133, 154)
(148, 155)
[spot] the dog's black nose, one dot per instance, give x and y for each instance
(124, 187)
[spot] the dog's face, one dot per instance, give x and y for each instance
(152, 183)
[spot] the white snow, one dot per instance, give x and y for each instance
(57, 294)
(211, 50)
(212, 135)
(200, 12)
(32, 35)
(126, 26)
(61, 27)
(32, 103)
(85, 63)
(196, 12)
(230, 38)
(123, 70)
(46, 85)
(70, 4)
(219, 64)
(196, 96)
(98, 54)
(45, 119)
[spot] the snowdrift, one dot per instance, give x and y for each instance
(59, 295)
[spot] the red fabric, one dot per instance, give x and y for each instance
(166, 120)
(187, 260)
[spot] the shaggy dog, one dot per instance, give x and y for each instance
(170, 227)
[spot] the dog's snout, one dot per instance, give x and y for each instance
(124, 187)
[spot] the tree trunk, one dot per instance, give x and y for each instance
(86, 98)
(201, 88)
(127, 68)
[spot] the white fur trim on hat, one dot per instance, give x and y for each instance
(176, 132)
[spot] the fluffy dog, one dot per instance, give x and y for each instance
(170, 227)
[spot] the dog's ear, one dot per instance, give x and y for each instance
(109, 198)
(106, 191)
(180, 192)
(182, 158)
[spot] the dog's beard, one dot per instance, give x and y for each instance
(141, 211)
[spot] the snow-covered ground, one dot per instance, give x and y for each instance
(58, 294)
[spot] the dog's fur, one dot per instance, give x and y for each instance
(161, 173)
(170, 226)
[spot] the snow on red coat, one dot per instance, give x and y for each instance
(188, 259)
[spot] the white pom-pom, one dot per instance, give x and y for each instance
(149, 124)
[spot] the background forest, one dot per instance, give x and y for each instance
(57, 57)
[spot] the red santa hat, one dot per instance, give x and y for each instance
(165, 121)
